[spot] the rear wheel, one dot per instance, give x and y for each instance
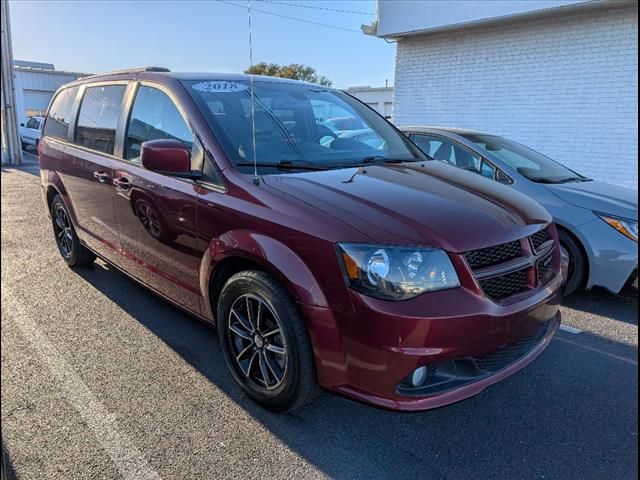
(69, 246)
(265, 341)
(577, 263)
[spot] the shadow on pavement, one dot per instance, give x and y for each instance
(570, 414)
(29, 165)
(600, 302)
(8, 472)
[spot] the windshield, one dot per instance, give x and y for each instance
(297, 126)
(529, 163)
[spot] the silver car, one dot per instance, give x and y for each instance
(597, 222)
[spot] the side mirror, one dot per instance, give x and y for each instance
(166, 156)
(22, 124)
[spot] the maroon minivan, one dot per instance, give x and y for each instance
(324, 258)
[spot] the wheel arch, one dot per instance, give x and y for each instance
(240, 250)
(583, 245)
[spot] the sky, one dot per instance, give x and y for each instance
(210, 35)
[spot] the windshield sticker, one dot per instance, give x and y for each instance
(220, 86)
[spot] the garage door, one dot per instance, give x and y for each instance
(36, 102)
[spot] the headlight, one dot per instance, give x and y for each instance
(628, 228)
(396, 273)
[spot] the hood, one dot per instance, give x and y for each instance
(432, 204)
(599, 196)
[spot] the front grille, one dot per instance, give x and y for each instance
(503, 286)
(487, 257)
(447, 375)
(509, 354)
(540, 238)
(503, 270)
(543, 269)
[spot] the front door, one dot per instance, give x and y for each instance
(87, 168)
(156, 213)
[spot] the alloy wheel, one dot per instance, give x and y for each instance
(257, 342)
(63, 232)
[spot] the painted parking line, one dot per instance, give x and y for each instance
(570, 329)
(597, 350)
(119, 447)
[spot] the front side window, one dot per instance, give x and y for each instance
(154, 116)
(33, 123)
(296, 125)
(59, 116)
(451, 153)
(98, 119)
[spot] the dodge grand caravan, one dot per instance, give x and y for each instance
(322, 260)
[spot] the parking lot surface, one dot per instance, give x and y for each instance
(102, 379)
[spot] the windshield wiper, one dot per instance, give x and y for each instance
(573, 179)
(382, 159)
(567, 180)
(552, 180)
(283, 165)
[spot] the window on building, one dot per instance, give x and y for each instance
(57, 123)
(154, 117)
(98, 119)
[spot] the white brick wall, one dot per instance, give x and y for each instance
(566, 86)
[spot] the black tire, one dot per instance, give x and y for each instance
(298, 385)
(23, 145)
(577, 263)
(72, 251)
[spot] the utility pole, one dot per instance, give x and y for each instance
(11, 146)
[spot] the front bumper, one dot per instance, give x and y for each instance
(368, 354)
(612, 257)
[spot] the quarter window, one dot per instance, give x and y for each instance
(59, 116)
(98, 120)
(154, 116)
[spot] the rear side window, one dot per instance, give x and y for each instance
(98, 119)
(59, 117)
(154, 116)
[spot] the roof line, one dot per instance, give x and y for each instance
(520, 16)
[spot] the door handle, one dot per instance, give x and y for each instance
(122, 183)
(101, 176)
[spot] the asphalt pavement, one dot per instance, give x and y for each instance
(102, 379)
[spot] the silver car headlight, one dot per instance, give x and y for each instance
(628, 228)
(396, 273)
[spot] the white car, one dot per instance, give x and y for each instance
(30, 133)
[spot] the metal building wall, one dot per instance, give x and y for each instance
(35, 87)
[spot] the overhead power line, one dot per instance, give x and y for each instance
(316, 7)
(304, 20)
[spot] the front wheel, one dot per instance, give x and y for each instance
(577, 263)
(69, 246)
(265, 342)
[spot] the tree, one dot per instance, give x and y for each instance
(294, 71)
